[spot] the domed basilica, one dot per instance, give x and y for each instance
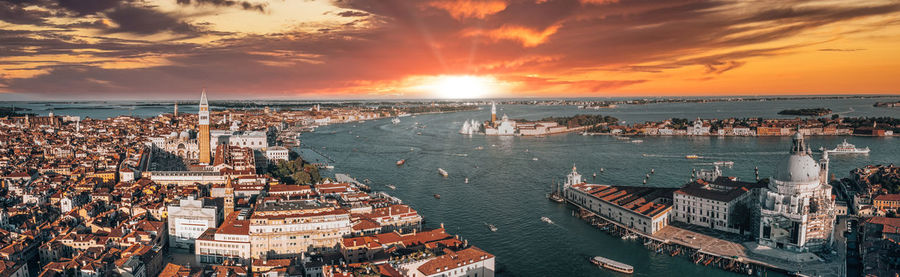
(796, 209)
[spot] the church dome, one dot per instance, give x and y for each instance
(797, 168)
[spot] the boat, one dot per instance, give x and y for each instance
(692, 156)
(437, 196)
(479, 148)
(612, 265)
(419, 133)
(401, 162)
(534, 159)
(443, 172)
(546, 219)
(396, 120)
(637, 141)
(392, 187)
(491, 226)
(725, 163)
(846, 148)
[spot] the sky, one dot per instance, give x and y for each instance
(318, 49)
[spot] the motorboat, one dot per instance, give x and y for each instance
(443, 172)
(546, 219)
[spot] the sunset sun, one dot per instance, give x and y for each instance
(461, 86)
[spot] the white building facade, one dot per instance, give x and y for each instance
(796, 209)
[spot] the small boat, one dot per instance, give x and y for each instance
(491, 227)
(612, 265)
(692, 156)
(419, 133)
(534, 159)
(546, 219)
(601, 170)
(443, 172)
(645, 181)
(437, 196)
(725, 163)
(395, 121)
(479, 148)
(392, 187)
(595, 174)
(846, 148)
(637, 141)
(652, 171)
(466, 180)
(401, 162)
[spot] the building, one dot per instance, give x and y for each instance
(714, 202)
(469, 262)
(189, 219)
(643, 209)
(887, 202)
(277, 153)
(796, 208)
(229, 242)
(698, 128)
(288, 228)
(203, 139)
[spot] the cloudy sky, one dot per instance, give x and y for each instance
(296, 49)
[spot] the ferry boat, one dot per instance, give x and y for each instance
(691, 157)
(846, 148)
(546, 219)
(395, 121)
(443, 172)
(612, 265)
(401, 162)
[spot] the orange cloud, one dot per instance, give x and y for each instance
(528, 37)
(461, 9)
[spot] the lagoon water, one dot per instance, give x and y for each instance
(507, 186)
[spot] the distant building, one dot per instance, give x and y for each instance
(277, 153)
(189, 219)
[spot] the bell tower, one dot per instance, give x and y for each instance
(203, 137)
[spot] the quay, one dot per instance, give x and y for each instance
(700, 248)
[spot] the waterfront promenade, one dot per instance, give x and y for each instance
(733, 248)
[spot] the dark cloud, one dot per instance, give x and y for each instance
(261, 7)
(85, 7)
(146, 21)
(352, 13)
(16, 14)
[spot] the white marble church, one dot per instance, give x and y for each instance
(797, 209)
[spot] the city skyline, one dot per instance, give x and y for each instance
(166, 49)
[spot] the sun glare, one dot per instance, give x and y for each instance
(462, 86)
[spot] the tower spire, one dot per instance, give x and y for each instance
(203, 138)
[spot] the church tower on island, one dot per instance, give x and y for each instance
(203, 138)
